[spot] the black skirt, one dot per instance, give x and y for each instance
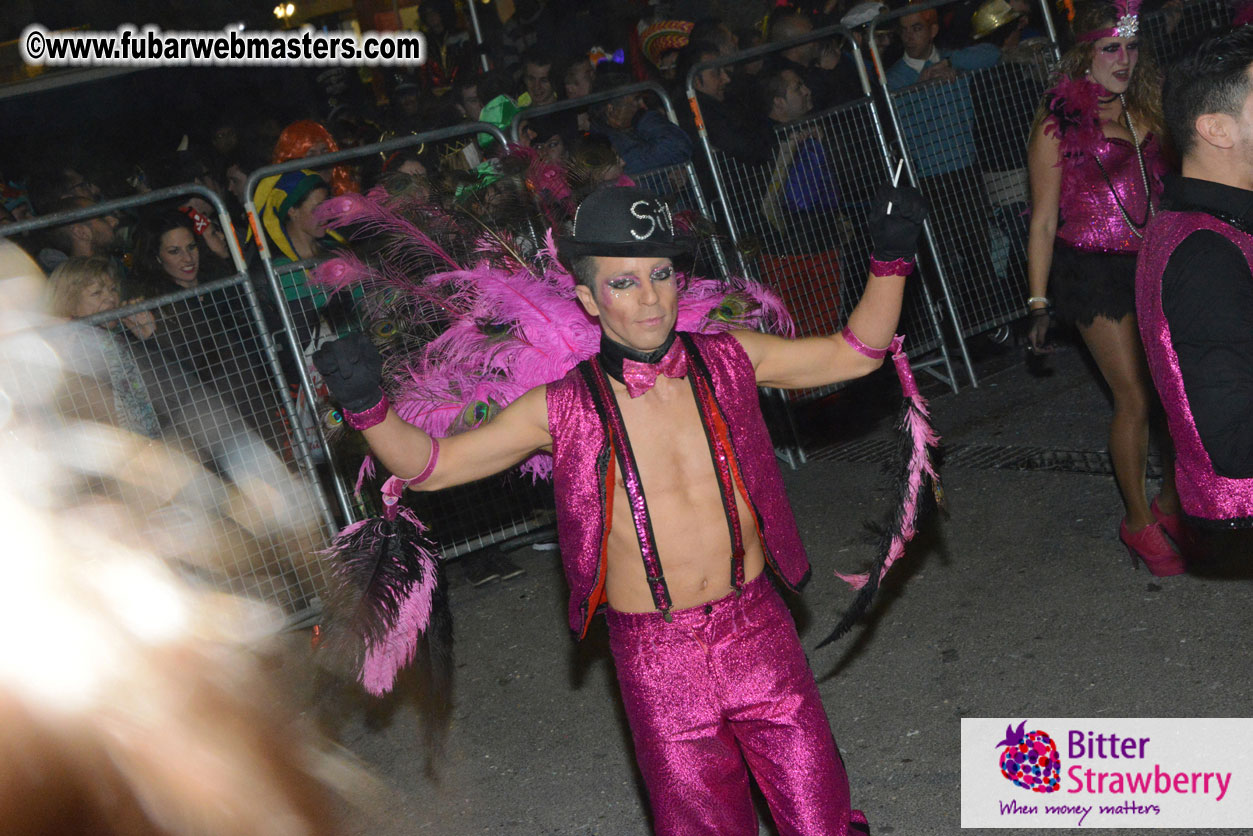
(1086, 285)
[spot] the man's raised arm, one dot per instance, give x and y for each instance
(353, 372)
(819, 361)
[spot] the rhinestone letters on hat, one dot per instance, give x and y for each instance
(656, 212)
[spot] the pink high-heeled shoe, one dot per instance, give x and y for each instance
(1176, 529)
(1150, 546)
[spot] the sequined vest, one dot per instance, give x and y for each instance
(584, 470)
(1203, 493)
(1089, 217)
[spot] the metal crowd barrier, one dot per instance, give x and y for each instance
(964, 143)
(817, 256)
(975, 175)
(207, 382)
(462, 519)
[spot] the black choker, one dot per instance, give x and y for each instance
(613, 353)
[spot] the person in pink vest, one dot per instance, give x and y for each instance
(1194, 282)
(671, 508)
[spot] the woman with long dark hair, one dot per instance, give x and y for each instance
(167, 253)
(1096, 166)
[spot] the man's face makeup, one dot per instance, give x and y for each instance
(635, 300)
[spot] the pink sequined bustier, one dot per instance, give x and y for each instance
(584, 468)
(1089, 217)
(1203, 493)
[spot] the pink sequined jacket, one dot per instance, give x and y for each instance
(1203, 493)
(1098, 173)
(584, 470)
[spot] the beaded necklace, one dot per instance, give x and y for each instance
(1144, 176)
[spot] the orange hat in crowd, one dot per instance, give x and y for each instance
(307, 138)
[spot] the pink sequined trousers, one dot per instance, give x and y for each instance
(722, 684)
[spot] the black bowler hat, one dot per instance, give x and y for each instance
(622, 221)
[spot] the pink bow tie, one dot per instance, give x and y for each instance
(640, 377)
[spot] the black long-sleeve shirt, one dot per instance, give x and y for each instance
(1207, 297)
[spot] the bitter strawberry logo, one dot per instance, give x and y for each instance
(1030, 759)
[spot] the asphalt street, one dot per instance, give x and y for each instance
(1018, 601)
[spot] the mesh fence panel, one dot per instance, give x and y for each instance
(242, 516)
(802, 220)
(312, 328)
(967, 141)
(489, 511)
(1170, 31)
(674, 183)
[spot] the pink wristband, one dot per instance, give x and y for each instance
(368, 418)
(395, 486)
(909, 386)
(860, 347)
(899, 267)
(430, 464)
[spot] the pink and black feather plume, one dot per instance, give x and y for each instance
(387, 598)
(916, 474)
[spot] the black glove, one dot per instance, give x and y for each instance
(353, 371)
(895, 235)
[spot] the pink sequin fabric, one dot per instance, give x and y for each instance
(1202, 492)
(1089, 215)
(640, 377)
(367, 418)
(582, 455)
(720, 690)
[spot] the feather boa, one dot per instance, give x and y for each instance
(917, 442)
(1072, 105)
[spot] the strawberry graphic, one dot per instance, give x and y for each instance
(1030, 759)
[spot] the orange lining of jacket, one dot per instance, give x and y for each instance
(724, 433)
(597, 596)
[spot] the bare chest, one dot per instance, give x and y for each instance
(668, 441)
(687, 516)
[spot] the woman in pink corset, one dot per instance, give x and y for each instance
(1096, 167)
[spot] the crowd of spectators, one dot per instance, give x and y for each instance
(762, 113)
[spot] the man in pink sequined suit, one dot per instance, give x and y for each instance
(671, 507)
(1194, 283)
